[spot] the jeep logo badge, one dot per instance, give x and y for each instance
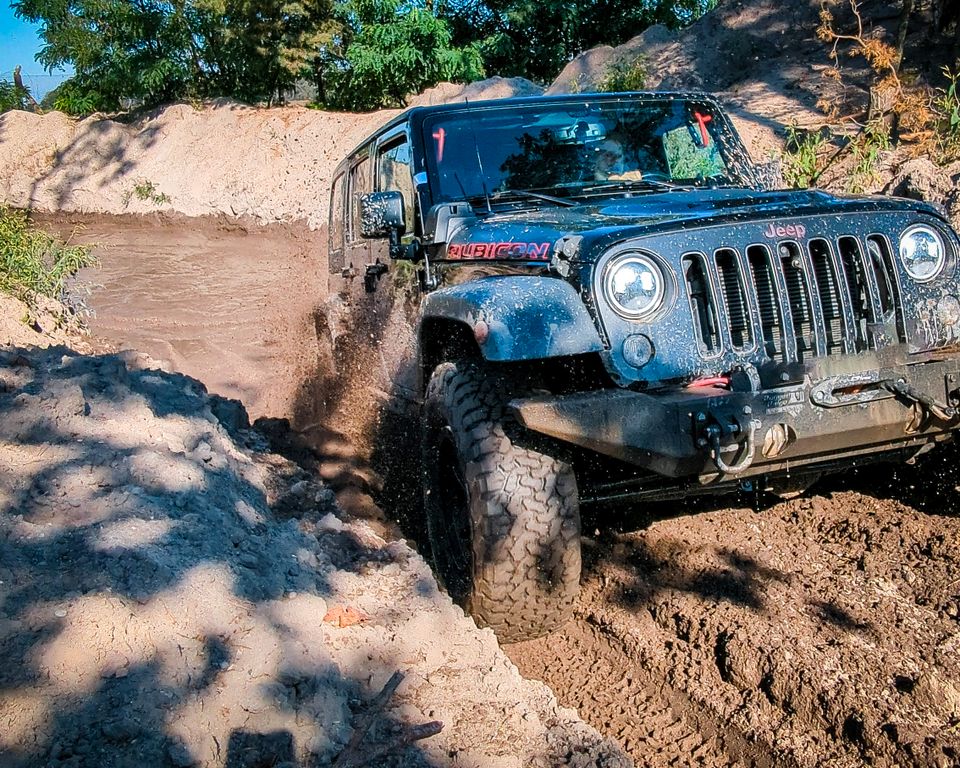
(788, 230)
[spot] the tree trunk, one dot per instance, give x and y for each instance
(902, 30)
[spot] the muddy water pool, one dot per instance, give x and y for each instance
(229, 304)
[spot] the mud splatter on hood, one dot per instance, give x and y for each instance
(633, 214)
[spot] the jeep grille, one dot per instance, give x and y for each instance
(817, 298)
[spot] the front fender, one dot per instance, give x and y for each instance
(528, 317)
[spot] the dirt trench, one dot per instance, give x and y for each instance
(823, 630)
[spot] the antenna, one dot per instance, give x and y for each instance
(483, 174)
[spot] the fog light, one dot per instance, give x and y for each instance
(638, 350)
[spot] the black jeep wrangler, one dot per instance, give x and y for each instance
(611, 306)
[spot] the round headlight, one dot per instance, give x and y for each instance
(634, 285)
(922, 252)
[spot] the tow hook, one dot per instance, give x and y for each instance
(709, 436)
(901, 388)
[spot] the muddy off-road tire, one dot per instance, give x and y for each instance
(503, 520)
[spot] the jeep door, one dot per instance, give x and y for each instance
(356, 248)
(395, 294)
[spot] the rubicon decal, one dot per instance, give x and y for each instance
(528, 251)
(785, 230)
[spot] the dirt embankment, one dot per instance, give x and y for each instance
(761, 58)
(173, 593)
(219, 158)
(818, 631)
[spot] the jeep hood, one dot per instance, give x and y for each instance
(529, 232)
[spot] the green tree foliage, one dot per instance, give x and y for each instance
(389, 49)
(154, 51)
(362, 54)
(13, 96)
(536, 38)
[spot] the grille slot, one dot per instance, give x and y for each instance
(798, 294)
(768, 301)
(702, 304)
(828, 292)
(735, 299)
(857, 291)
(791, 300)
(881, 264)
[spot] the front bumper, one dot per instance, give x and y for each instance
(716, 434)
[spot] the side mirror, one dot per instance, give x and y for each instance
(382, 215)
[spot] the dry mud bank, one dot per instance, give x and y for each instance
(218, 158)
(173, 593)
(818, 631)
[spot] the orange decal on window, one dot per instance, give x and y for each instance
(441, 138)
(702, 121)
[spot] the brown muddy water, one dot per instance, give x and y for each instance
(228, 303)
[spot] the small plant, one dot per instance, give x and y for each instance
(867, 149)
(802, 160)
(577, 84)
(13, 96)
(33, 263)
(625, 75)
(946, 106)
(146, 191)
(73, 100)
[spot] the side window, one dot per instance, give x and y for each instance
(336, 223)
(360, 184)
(395, 174)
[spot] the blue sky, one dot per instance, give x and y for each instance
(19, 42)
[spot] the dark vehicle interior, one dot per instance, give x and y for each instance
(576, 149)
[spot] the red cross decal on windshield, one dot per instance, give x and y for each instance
(441, 137)
(702, 121)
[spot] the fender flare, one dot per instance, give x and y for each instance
(529, 317)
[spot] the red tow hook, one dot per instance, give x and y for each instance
(710, 381)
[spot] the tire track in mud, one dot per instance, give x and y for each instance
(589, 668)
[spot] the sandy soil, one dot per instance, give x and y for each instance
(173, 593)
(269, 164)
(822, 630)
(45, 323)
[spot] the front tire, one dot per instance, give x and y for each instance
(503, 519)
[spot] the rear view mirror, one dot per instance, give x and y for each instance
(382, 214)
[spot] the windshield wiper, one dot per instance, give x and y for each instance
(624, 184)
(504, 195)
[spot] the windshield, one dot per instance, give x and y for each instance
(581, 148)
